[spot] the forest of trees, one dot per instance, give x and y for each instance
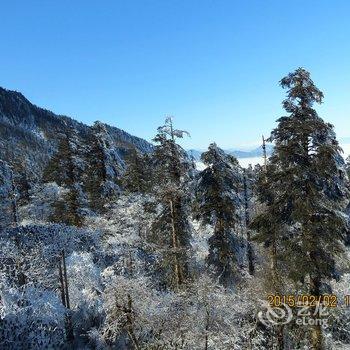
(148, 252)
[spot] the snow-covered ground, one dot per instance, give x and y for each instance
(200, 166)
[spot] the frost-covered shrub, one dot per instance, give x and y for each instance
(340, 316)
(34, 251)
(85, 290)
(204, 314)
(124, 231)
(30, 318)
(43, 197)
(7, 193)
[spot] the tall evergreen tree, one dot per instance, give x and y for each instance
(304, 191)
(66, 168)
(97, 171)
(8, 197)
(138, 174)
(172, 230)
(218, 205)
(21, 180)
(103, 171)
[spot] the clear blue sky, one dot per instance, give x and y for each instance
(214, 65)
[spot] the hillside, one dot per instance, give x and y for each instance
(30, 134)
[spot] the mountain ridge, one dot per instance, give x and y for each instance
(256, 152)
(30, 134)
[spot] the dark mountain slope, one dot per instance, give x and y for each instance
(30, 134)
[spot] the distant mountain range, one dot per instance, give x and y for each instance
(30, 134)
(256, 152)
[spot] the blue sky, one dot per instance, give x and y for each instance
(214, 65)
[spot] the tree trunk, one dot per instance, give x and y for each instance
(130, 328)
(246, 210)
(280, 337)
(177, 267)
(62, 287)
(14, 202)
(317, 337)
(274, 263)
(264, 153)
(21, 277)
(65, 279)
(316, 332)
(69, 326)
(207, 319)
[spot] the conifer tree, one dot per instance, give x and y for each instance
(305, 191)
(171, 230)
(137, 176)
(22, 180)
(66, 168)
(218, 205)
(103, 171)
(8, 197)
(97, 172)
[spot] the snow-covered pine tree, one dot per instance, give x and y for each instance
(305, 191)
(96, 172)
(171, 230)
(22, 180)
(137, 176)
(103, 168)
(65, 168)
(8, 197)
(218, 205)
